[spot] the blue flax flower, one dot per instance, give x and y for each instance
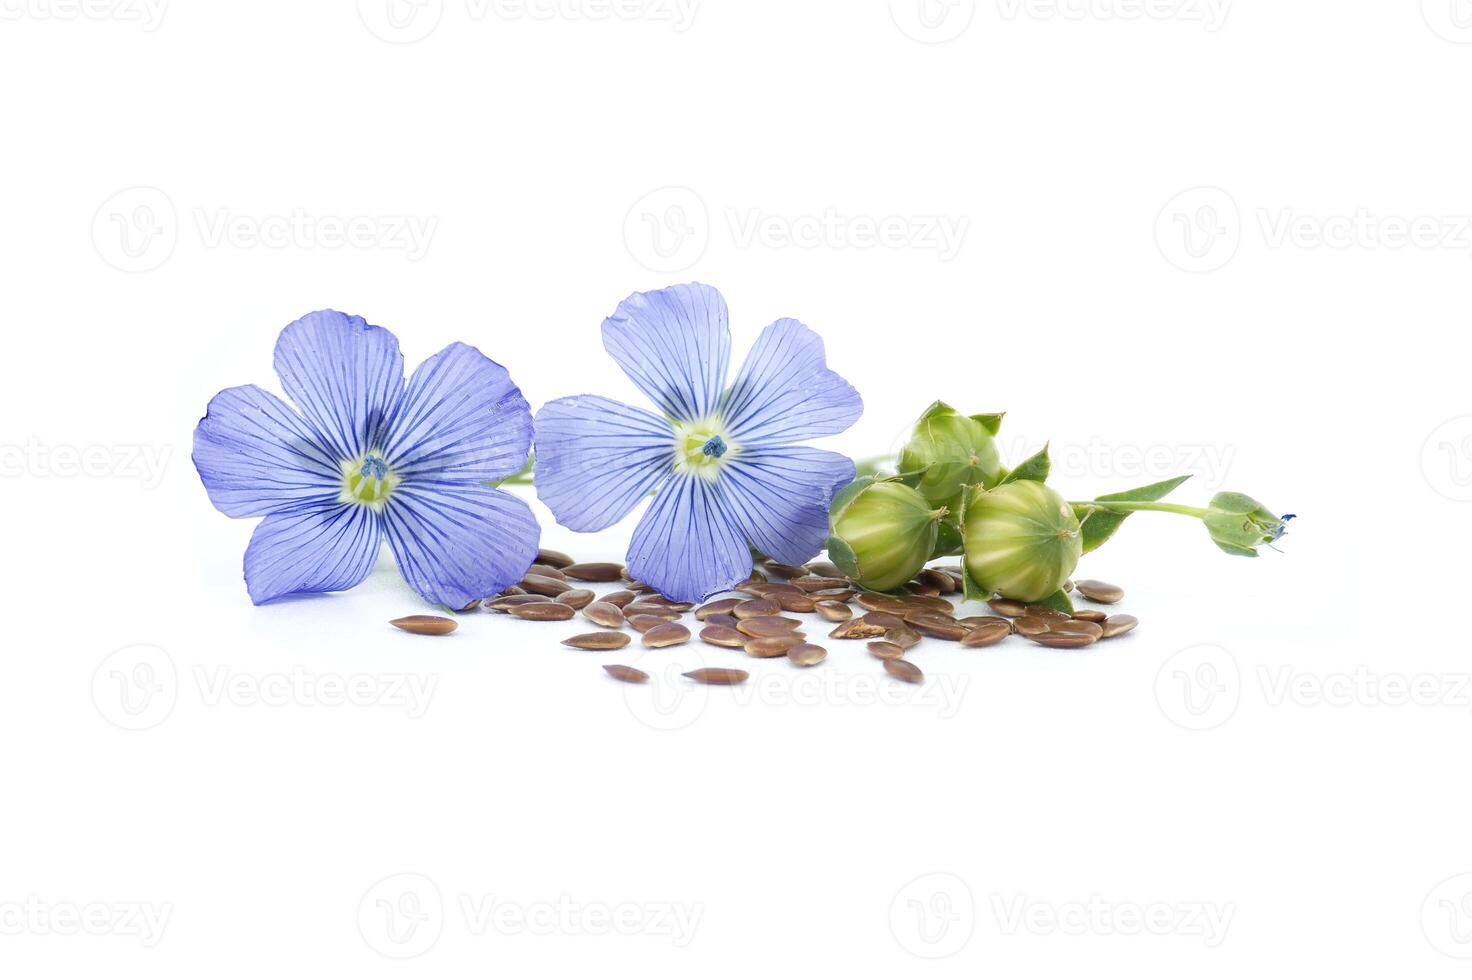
(369, 457)
(723, 460)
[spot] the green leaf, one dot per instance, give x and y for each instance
(1099, 525)
(1058, 600)
(991, 423)
(843, 556)
(947, 541)
(1033, 468)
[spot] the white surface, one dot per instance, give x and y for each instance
(796, 820)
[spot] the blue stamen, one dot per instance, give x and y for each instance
(714, 447)
(374, 468)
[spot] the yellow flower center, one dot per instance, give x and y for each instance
(368, 481)
(702, 447)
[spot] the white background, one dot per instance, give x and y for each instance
(1184, 248)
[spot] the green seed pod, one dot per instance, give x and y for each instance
(1022, 540)
(881, 533)
(954, 451)
(1240, 525)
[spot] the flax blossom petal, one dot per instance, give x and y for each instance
(686, 545)
(598, 458)
(785, 392)
(458, 542)
(461, 420)
(323, 550)
(779, 498)
(256, 456)
(675, 344)
(344, 374)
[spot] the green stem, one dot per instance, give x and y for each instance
(1129, 507)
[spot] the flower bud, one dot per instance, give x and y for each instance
(1022, 540)
(953, 451)
(882, 533)
(1240, 525)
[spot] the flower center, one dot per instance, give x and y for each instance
(368, 481)
(701, 448)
